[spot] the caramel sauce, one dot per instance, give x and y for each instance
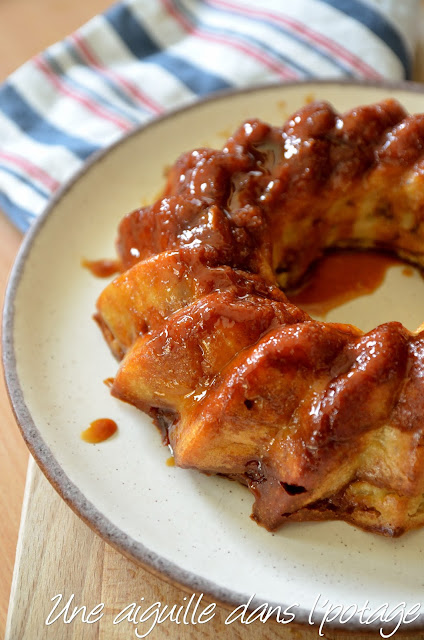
(99, 431)
(109, 382)
(101, 268)
(340, 277)
(170, 462)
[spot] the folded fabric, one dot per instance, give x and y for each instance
(143, 57)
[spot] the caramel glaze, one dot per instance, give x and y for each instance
(320, 420)
(248, 205)
(99, 431)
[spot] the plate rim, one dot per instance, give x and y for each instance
(73, 496)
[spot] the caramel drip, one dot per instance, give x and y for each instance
(99, 431)
(101, 268)
(109, 382)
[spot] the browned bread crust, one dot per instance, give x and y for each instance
(321, 421)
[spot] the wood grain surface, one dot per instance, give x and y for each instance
(57, 553)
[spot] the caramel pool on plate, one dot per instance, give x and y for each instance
(342, 276)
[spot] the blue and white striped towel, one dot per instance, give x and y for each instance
(144, 56)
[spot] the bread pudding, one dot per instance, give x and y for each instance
(320, 420)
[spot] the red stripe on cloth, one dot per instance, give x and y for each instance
(94, 107)
(31, 170)
(134, 91)
(314, 36)
(233, 42)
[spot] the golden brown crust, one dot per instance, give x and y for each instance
(319, 420)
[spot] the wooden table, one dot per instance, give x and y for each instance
(61, 554)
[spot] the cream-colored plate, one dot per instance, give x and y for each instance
(193, 529)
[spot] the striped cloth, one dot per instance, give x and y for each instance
(144, 56)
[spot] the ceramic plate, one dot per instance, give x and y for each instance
(191, 528)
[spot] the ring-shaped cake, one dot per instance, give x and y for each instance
(319, 420)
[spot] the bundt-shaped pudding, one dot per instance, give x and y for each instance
(319, 420)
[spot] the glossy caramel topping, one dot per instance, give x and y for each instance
(274, 197)
(99, 431)
(340, 277)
